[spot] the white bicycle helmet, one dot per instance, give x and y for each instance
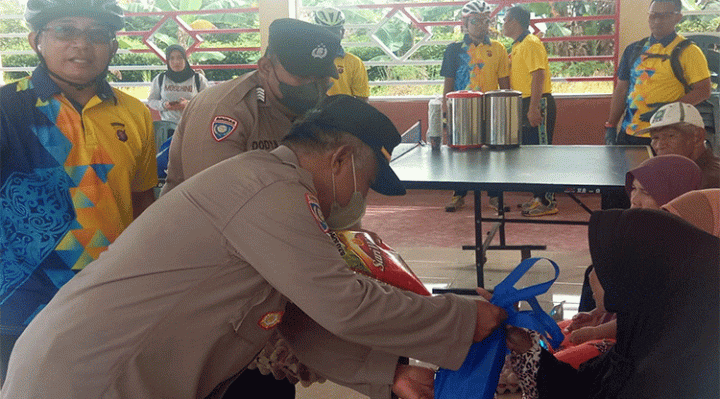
(330, 17)
(475, 7)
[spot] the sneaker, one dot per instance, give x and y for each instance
(533, 203)
(456, 202)
(542, 210)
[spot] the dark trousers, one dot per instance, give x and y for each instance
(543, 133)
(252, 384)
(617, 198)
(6, 345)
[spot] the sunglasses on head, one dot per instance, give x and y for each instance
(69, 32)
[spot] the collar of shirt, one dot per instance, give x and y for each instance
(522, 36)
(469, 41)
(665, 41)
(45, 87)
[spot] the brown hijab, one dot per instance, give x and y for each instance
(701, 208)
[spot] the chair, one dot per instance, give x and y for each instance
(163, 131)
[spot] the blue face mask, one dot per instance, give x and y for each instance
(342, 217)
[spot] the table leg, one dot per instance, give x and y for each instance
(479, 250)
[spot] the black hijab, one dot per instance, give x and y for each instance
(661, 277)
(185, 74)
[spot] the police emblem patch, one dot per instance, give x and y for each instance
(222, 127)
(320, 51)
(270, 320)
(314, 207)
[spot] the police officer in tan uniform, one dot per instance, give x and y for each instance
(192, 290)
(255, 110)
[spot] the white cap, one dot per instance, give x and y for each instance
(674, 113)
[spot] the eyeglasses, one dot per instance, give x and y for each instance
(478, 21)
(662, 15)
(69, 32)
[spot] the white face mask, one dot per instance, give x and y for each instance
(340, 218)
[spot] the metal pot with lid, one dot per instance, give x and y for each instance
(503, 118)
(465, 121)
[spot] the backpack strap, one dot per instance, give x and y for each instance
(638, 51)
(197, 82)
(674, 58)
(160, 79)
(675, 63)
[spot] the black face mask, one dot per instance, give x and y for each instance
(300, 99)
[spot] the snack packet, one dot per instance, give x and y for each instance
(367, 254)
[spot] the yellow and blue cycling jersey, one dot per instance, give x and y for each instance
(475, 66)
(651, 81)
(67, 174)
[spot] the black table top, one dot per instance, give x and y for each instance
(558, 168)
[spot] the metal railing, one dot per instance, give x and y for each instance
(388, 11)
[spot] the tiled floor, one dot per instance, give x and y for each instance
(417, 220)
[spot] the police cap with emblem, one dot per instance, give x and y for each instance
(304, 49)
(362, 120)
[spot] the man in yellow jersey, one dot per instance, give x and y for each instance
(476, 63)
(646, 81)
(352, 75)
(530, 74)
(77, 159)
(645, 78)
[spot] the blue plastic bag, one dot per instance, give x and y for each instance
(478, 377)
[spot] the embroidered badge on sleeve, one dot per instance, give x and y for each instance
(314, 207)
(222, 127)
(270, 320)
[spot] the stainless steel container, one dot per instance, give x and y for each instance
(465, 122)
(503, 118)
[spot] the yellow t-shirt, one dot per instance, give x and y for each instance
(652, 81)
(528, 56)
(353, 78)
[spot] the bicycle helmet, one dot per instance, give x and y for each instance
(329, 17)
(475, 7)
(39, 12)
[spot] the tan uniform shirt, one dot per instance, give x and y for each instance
(166, 312)
(220, 122)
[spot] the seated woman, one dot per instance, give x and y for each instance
(661, 277)
(173, 89)
(653, 183)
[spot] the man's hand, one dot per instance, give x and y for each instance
(413, 382)
(489, 318)
(534, 116)
(518, 340)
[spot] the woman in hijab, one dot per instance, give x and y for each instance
(701, 208)
(172, 89)
(660, 179)
(655, 182)
(661, 277)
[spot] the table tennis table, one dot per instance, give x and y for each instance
(568, 169)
